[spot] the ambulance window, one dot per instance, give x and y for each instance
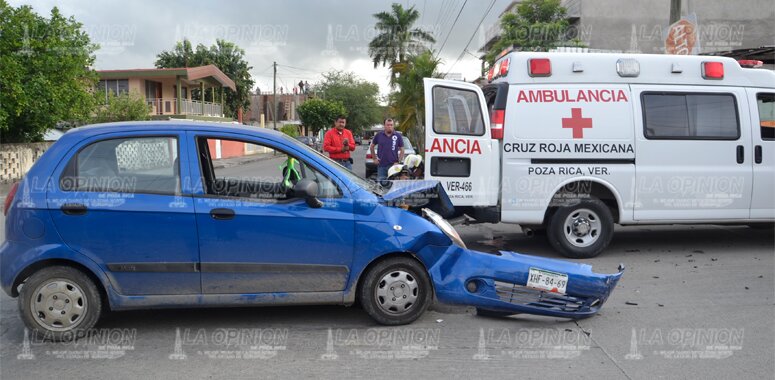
(766, 103)
(666, 116)
(690, 116)
(457, 112)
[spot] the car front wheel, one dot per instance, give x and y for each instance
(396, 291)
(58, 302)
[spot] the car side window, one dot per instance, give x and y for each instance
(681, 116)
(234, 168)
(766, 105)
(127, 165)
(456, 111)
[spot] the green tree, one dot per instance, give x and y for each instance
(408, 103)
(45, 72)
(397, 37)
(538, 25)
(317, 114)
(290, 129)
(227, 56)
(124, 107)
(359, 97)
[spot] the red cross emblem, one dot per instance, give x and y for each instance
(577, 123)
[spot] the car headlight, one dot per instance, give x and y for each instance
(444, 226)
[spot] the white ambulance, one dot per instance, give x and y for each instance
(575, 143)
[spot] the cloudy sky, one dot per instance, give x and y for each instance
(305, 37)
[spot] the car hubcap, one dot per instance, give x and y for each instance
(582, 228)
(397, 292)
(59, 305)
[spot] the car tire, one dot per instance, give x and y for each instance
(581, 229)
(492, 314)
(59, 291)
(382, 282)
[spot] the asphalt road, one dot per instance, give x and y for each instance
(694, 302)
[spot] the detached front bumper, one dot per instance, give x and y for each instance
(497, 282)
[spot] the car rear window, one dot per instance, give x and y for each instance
(125, 165)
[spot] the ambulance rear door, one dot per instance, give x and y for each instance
(459, 150)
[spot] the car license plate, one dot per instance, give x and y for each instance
(545, 280)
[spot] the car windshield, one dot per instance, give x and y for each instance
(360, 181)
(407, 144)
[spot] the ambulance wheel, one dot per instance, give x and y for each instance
(396, 291)
(581, 230)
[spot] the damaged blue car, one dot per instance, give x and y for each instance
(187, 214)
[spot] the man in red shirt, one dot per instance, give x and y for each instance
(339, 142)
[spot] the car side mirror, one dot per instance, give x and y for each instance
(308, 189)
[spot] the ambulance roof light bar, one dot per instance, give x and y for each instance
(505, 67)
(750, 63)
(628, 67)
(539, 67)
(713, 70)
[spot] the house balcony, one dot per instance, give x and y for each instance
(168, 106)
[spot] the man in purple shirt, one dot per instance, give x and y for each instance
(390, 149)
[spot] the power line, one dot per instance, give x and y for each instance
(451, 28)
(449, 10)
(299, 68)
(465, 49)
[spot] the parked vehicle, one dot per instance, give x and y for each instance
(143, 215)
(309, 141)
(371, 166)
(358, 139)
(577, 142)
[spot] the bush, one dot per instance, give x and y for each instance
(290, 130)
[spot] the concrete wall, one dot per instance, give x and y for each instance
(17, 159)
(639, 26)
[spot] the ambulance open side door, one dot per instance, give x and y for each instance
(459, 149)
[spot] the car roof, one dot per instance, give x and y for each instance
(166, 125)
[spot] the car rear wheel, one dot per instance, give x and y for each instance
(58, 302)
(396, 291)
(582, 229)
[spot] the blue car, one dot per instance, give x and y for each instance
(185, 214)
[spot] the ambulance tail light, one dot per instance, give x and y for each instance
(750, 63)
(9, 198)
(539, 67)
(713, 70)
(497, 118)
(369, 156)
(490, 73)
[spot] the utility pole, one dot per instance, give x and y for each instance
(274, 96)
(675, 11)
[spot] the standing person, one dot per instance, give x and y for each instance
(339, 142)
(306, 87)
(390, 149)
(301, 88)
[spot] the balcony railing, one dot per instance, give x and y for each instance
(168, 106)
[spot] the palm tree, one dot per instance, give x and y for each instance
(397, 39)
(408, 103)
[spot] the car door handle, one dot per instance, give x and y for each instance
(740, 154)
(757, 154)
(222, 213)
(74, 209)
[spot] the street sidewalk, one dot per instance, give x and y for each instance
(235, 161)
